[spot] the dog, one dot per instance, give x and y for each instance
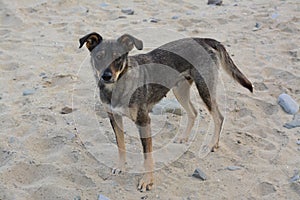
(131, 85)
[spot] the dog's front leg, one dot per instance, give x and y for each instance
(117, 125)
(143, 125)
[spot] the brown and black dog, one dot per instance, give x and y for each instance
(131, 85)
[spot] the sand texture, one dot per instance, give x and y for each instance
(56, 141)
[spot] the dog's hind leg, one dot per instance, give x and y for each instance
(117, 125)
(182, 94)
(218, 121)
(207, 91)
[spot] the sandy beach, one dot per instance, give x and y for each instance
(56, 141)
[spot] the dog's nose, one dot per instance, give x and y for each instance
(107, 75)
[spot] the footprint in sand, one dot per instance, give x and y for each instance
(265, 188)
(27, 174)
(267, 108)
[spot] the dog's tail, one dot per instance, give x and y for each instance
(230, 67)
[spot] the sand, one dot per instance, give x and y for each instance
(45, 154)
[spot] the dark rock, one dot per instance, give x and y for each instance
(43, 75)
(66, 110)
(175, 17)
(122, 17)
(127, 11)
(144, 197)
(77, 198)
(153, 20)
(257, 26)
(214, 2)
(199, 174)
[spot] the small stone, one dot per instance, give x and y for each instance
(175, 17)
(103, 5)
(199, 174)
(77, 198)
(298, 142)
(296, 177)
(189, 12)
(144, 197)
(233, 168)
(257, 26)
(102, 197)
(127, 11)
(274, 15)
(294, 123)
(28, 92)
(43, 75)
(153, 20)
(288, 104)
(66, 110)
(12, 140)
(214, 2)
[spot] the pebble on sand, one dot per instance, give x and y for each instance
(175, 17)
(294, 123)
(28, 92)
(296, 177)
(103, 5)
(127, 11)
(66, 110)
(199, 174)
(77, 198)
(214, 2)
(102, 197)
(154, 20)
(233, 168)
(288, 104)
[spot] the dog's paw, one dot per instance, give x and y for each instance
(214, 148)
(116, 171)
(181, 140)
(146, 182)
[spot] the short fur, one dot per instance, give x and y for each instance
(132, 85)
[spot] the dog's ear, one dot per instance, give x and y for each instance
(128, 41)
(91, 40)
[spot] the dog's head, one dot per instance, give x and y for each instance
(110, 57)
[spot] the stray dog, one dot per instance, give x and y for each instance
(131, 85)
